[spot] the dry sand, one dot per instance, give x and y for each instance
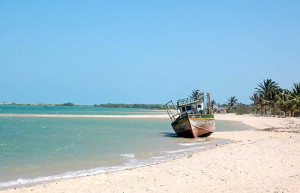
(260, 122)
(256, 161)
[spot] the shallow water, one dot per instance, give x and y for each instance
(73, 110)
(34, 149)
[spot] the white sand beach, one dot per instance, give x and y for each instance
(110, 96)
(255, 161)
(261, 122)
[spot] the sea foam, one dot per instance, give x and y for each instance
(127, 155)
(66, 175)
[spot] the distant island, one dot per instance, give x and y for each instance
(67, 104)
(268, 99)
(121, 105)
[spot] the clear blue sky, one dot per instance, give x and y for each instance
(91, 52)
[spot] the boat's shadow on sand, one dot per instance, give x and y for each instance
(167, 134)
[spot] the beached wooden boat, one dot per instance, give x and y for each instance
(192, 117)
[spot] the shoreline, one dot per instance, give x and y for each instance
(258, 122)
(256, 161)
(163, 116)
(31, 182)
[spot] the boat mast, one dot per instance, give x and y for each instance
(204, 102)
(197, 98)
(209, 105)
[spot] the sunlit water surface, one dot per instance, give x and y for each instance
(35, 149)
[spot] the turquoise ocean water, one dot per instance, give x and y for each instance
(37, 149)
(74, 110)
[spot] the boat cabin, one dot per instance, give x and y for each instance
(199, 103)
(190, 106)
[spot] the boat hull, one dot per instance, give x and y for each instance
(195, 125)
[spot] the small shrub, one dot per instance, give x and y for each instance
(243, 109)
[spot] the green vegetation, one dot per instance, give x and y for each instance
(195, 94)
(68, 104)
(232, 106)
(232, 103)
(144, 106)
(213, 103)
(242, 109)
(270, 99)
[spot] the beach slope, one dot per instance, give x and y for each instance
(255, 161)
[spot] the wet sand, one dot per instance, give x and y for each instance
(256, 161)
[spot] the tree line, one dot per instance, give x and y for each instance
(270, 99)
(267, 99)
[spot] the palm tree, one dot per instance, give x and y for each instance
(295, 99)
(213, 103)
(255, 100)
(296, 89)
(295, 105)
(269, 97)
(231, 102)
(268, 90)
(258, 103)
(284, 103)
(195, 94)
